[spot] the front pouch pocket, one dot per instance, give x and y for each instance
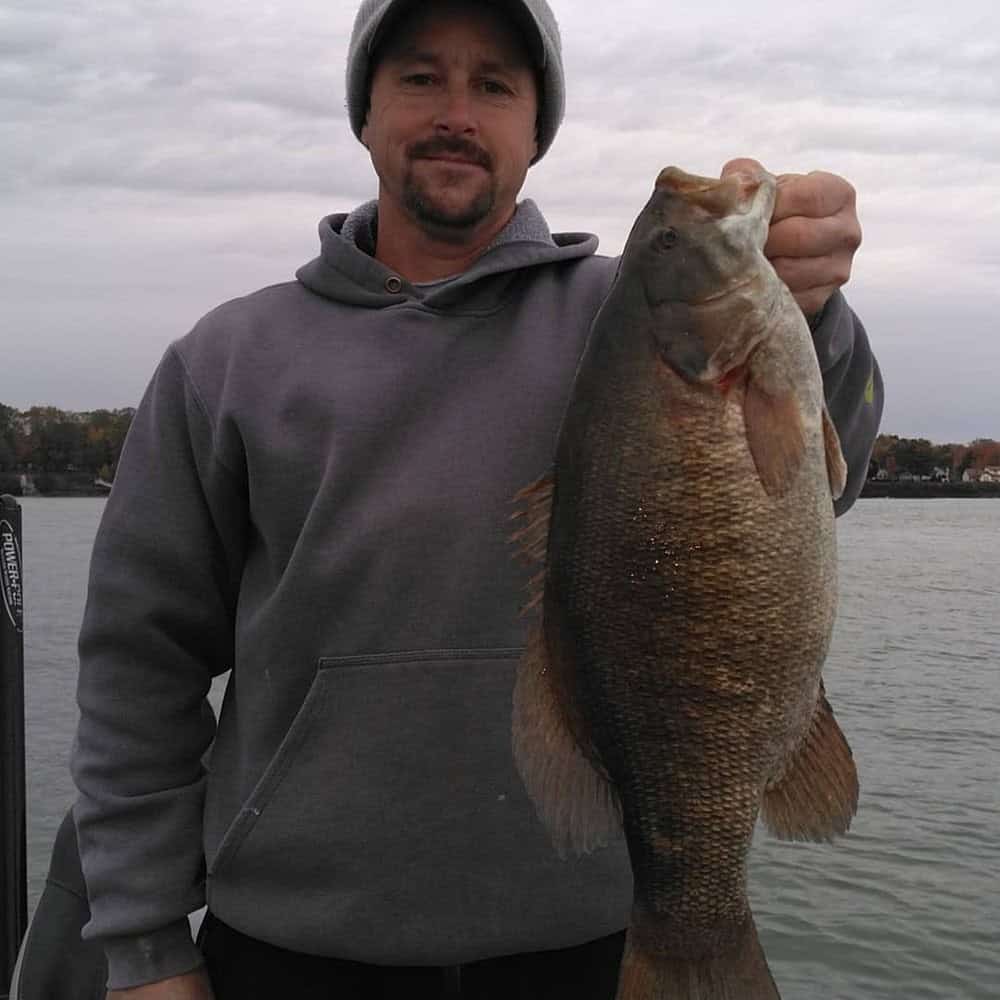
(393, 797)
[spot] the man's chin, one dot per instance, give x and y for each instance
(458, 221)
(450, 215)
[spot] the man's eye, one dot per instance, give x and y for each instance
(495, 87)
(419, 79)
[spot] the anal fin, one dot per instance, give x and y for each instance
(817, 796)
(574, 799)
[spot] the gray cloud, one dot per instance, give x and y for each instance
(161, 157)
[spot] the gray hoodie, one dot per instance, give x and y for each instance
(315, 492)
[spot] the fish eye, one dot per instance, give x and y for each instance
(666, 239)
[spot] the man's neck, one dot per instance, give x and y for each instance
(422, 256)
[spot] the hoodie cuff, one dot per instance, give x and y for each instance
(140, 959)
(852, 386)
(816, 320)
(833, 331)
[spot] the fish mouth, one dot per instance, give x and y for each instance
(733, 194)
(675, 179)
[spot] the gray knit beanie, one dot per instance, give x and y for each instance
(546, 48)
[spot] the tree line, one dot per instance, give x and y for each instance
(48, 444)
(920, 458)
(60, 449)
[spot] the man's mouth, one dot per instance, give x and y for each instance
(458, 154)
(458, 161)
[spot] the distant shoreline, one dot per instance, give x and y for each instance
(873, 489)
(64, 495)
(918, 490)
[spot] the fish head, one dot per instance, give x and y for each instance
(696, 253)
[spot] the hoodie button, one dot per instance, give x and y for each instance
(393, 284)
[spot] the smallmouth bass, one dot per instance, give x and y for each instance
(672, 684)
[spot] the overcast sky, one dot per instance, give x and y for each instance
(161, 157)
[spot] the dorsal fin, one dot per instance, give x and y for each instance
(836, 467)
(532, 533)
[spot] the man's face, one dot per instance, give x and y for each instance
(451, 122)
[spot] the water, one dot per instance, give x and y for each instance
(907, 905)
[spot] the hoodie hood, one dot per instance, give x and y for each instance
(346, 270)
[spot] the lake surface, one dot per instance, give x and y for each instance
(908, 904)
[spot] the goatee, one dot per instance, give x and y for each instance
(426, 210)
(431, 211)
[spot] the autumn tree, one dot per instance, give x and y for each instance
(920, 457)
(983, 452)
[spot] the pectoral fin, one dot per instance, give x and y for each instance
(775, 434)
(817, 795)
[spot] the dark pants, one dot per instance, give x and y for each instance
(242, 968)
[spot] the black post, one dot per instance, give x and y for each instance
(13, 847)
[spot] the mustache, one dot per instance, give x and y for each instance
(454, 146)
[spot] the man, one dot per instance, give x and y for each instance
(315, 492)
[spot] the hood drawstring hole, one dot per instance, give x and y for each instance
(393, 284)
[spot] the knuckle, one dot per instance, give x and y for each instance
(831, 194)
(813, 202)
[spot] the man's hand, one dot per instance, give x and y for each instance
(190, 986)
(814, 233)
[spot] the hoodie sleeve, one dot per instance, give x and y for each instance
(852, 384)
(158, 626)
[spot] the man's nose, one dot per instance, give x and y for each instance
(455, 115)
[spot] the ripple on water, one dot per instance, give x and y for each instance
(904, 907)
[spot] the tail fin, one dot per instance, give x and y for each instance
(737, 973)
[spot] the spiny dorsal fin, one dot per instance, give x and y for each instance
(532, 533)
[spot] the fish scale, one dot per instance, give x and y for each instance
(672, 685)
